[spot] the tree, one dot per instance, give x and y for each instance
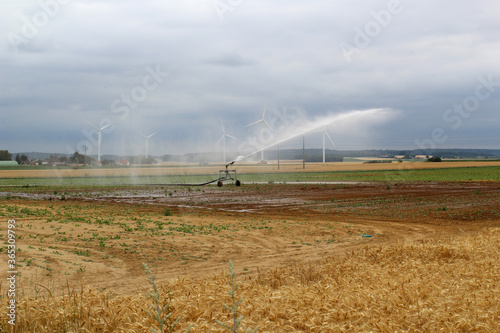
(18, 159)
(5, 155)
(77, 158)
(24, 159)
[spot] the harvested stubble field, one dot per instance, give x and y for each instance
(303, 260)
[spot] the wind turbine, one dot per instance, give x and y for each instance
(262, 123)
(98, 138)
(325, 133)
(223, 139)
(147, 140)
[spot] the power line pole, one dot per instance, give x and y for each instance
(278, 157)
(303, 152)
(85, 158)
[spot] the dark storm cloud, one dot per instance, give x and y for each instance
(64, 61)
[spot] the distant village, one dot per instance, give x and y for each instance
(76, 159)
(311, 155)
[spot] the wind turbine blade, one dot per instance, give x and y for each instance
(222, 124)
(328, 135)
(100, 129)
(150, 135)
(267, 124)
(230, 136)
(255, 122)
(264, 113)
(221, 138)
(142, 134)
(88, 122)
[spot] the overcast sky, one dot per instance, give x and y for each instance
(178, 67)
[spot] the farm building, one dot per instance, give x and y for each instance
(8, 163)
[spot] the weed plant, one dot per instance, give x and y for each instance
(161, 314)
(233, 308)
(167, 212)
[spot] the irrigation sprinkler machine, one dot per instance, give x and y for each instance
(227, 174)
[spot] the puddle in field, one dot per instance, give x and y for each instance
(35, 196)
(281, 198)
(210, 200)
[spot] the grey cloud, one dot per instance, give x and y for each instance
(229, 60)
(426, 59)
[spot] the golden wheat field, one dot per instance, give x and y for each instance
(434, 285)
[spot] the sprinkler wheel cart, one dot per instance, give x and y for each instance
(228, 175)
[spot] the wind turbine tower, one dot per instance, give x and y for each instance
(223, 139)
(98, 139)
(147, 141)
(262, 123)
(325, 133)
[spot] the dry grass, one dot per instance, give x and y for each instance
(428, 286)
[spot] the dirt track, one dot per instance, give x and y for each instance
(100, 238)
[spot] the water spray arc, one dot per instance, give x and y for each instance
(98, 138)
(313, 126)
(302, 131)
(146, 137)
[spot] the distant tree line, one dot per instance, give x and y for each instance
(434, 159)
(5, 155)
(319, 157)
(21, 159)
